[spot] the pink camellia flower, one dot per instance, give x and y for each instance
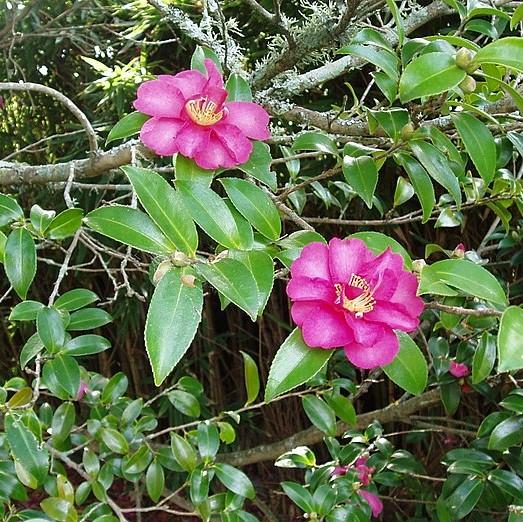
(375, 503)
(190, 116)
(82, 390)
(345, 295)
(364, 472)
(458, 370)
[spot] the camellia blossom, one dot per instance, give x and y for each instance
(190, 115)
(344, 295)
(375, 503)
(458, 370)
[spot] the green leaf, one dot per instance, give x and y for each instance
(25, 311)
(20, 260)
(172, 321)
(251, 377)
(465, 496)
(186, 170)
(155, 481)
(59, 509)
(87, 345)
(65, 224)
(165, 207)
(342, 406)
(238, 88)
(391, 121)
(185, 402)
(254, 205)
(235, 281)
(484, 358)
(362, 175)
(31, 349)
(32, 456)
(63, 422)
(235, 480)
(259, 165)
(317, 142)
(10, 210)
(294, 364)
(41, 218)
(183, 452)
(382, 58)
(429, 74)
(517, 16)
(75, 299)
(506, 434)
(115, 441)
(505, 51)
(131, 227)
(87, 319)
(208, 440)
(507, 481)
(128, 126)
(404, 191)
(50, 327)
(299, 495)
(510, 355)
(115, 388)
(199, 486)
(379, 242)
(137, 461)
(409, 368)
(212, 215)
(320, 414)
(464, 275)
(67, 373)
(199, 56)
(479, 144)
(21, 398)
(438, 167)
(420, 181)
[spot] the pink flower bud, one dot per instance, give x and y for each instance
(458, 370)
(459, 251)
(82, 390)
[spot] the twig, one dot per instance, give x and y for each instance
(459, 310)
(63, 269)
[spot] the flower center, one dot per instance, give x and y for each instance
(360, 304)
(203, 111)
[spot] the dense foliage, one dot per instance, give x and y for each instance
(205, 320)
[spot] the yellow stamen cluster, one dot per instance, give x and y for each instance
(359, 305)
(203, 111)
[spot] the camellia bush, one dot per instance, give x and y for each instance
(310, 212)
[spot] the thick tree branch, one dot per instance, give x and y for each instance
(394, 412)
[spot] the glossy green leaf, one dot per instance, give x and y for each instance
(50, 327)
(505, 51)
(165, 207)
(235, 480)
(10, 210)
(183, 452)
(75, 299)
(384, 59)
(299, 495)
(41, 218)
(238, 88)
(320, 414)
(25, 311)
(391, 121)
(420, 181)
(136, 462)
(479, 144)
(517, 16)
(87, 319)
(63, 422)
(409, 368)
(172, 320)
(342, 406)
(362, 175)
(235, 281)
(32, 455)
(464, 275)
(185, 402)
(87, 345)
(254, 205)
(208, 440)
(259, 165)
(59, 509)
(294, 364)
(21, 398)
(20, 260)
(438, 167)
(130, 227)
(67, 372)
(251, 378)
(506, 434)
(484, 358)
(114, 440)
(65, 224)
(115, 388)
(30, 350)
(155, 481)
(404, 191)
(317, 142)
(510, 336)
(199, 485)
(429, 74)
(465, 497)
(211, 213)
(128, 126)
(507, 481)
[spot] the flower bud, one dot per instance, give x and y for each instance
(464, 58)
(188, 280)
(468, 85)
(180, 259)
(161, 270)
(459, 251)
(407, 131)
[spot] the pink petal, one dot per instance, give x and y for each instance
(379, 354)
(385, 285)
(250, 118)
(192, 139)
(159, 134)
(365, 332)
(405, 294)
(159, 98)
(234, 141)
(394, 316)
(346, 257)
(321, 325)
(191, 83)
(214, 77)
(313, 262)
(386, 260)
(375, 503)
(307, 289)
(458, 370)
